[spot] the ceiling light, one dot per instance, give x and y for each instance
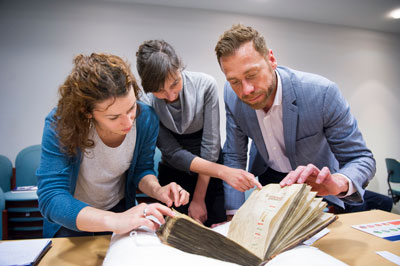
(395, 14)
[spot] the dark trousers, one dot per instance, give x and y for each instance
(65, 232)
(372, 200)
(271, 176)
(214, 197)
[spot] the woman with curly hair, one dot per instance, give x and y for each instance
(97, 149)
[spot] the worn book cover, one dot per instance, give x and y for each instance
(271, 221)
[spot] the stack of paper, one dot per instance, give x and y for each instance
(23, 252)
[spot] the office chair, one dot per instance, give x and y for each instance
(2, 207)
(5, 185)
(26, 163)
(5, 173)
(157, 159)
(393, 168)
(24, 219)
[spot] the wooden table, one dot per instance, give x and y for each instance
(82, 251)
(345, 243)
(357, 248)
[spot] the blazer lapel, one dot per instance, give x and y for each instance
(289, 116)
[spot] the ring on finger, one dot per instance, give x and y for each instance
(180, 190)
(144, 212)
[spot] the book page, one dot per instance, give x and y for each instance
(322, 221)
(256, 222)
(314, 209)
(296, 219)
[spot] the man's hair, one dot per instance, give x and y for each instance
(93, 79)
(235, 37)
(156, 61)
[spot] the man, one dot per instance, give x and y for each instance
(301, 126)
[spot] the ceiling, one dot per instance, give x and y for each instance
(366, 14)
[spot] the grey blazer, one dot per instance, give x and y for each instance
(318, 128)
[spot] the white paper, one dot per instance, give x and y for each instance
(305, 256)
(21, 252)
(315, 237)
(389, 256)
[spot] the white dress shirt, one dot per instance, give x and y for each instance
(272, 130)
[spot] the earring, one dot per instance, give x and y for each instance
(90, 122)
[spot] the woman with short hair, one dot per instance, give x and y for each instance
(189, 139)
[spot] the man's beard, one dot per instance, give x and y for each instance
(262, 102)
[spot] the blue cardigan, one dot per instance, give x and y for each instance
(57, 172)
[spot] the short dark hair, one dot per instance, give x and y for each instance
(156, 61)
(235, 37)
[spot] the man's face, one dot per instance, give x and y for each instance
(251, 75)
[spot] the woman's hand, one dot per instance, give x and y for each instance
(169, 194)
(137, 216)
(239, 179)
(173, 194)
(95, 220)
(198, 210)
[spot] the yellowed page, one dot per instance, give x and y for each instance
(257, 221)
(296, 219)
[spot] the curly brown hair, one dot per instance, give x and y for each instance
(237, 35)
(93, 79)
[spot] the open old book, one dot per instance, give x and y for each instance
(272, 220)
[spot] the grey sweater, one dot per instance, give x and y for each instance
(196, 109)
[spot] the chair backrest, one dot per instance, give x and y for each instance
(26, 163)
(2, 206)
(142, 197)
(5, 173)
(393, 168)
(157, 159)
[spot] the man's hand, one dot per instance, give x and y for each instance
(321, 181)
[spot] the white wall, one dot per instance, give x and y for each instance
(38, 40)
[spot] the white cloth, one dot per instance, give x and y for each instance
(142, 247)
